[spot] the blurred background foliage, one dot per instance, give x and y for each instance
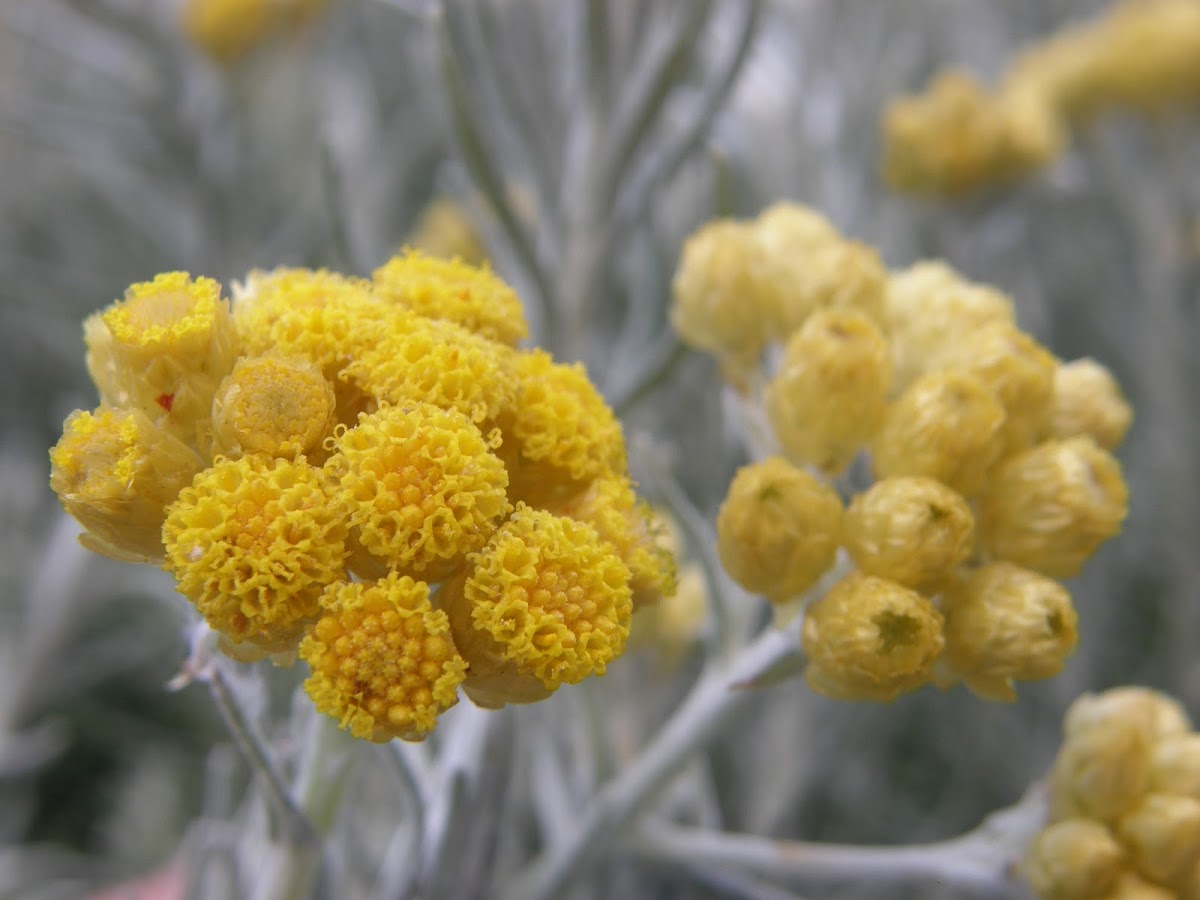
(126, 150)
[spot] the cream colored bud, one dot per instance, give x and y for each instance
(1131, 886)
(834, 275)
(778, 529)
(1157, 714)
(1052, 506)
(914, 531)
(1004, 623)
(1175, 767)
(829, 396)
(1162, 836)
(870, 639)
(1104, 772)
(1076, 859)
(1088, 400)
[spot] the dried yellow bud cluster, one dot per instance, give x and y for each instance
(992, 463)
(1125, 811)
(309, 463)
(959, 136)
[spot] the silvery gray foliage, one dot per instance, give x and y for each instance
(586, 139)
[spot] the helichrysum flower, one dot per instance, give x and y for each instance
(382, 659)
(559, 434)
(928, 309)
(277, 405)
(253, 542)
(870, 639)
(946, 425)
(913, 531)
(468, 295)
(830, 394)
(445, 231)
(1131, 886)
(778, 529)
(164, 348)
(1103, 771)
(1088, 400)
(421, 490)
(1175, 768)
(1050, 507)
(545, 603)
(1156, 714)
(1162, 836)
(1075, 859)
(115, 471)
(1005, 623)
(228, 29)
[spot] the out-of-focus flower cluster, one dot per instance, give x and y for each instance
(1144, 55)
(993, 475)
(227, 30)
(1125, 805)
(370, 474)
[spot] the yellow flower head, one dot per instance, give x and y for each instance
(229, 29)
(1162, 836)
(560, 434)
(1175, 768)
(383, 663)
(253, 543)
(1088, 400)
(468, 295)
(929, 309)
(164, 349)
(870, 639)
(1076, 859)
(277, 405)
(946, 425)
(419, 359)
(1156, 714)
(116, 472)
(1050, 507)
(421, 489)
(1131, 886)
(838, 274)
(445, 231)
(778, 529)
(545, 601)
(673, 624)
(1004, 623)
(1103, 770)
(829, 396)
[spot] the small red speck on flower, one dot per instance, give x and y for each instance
(166, 401)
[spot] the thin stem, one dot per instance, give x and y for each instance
(714, 699)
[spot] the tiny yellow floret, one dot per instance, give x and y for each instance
(1075, 859)
(1103, 771)
(1175, 768)
(1088, 400)
(277, 405)
(382, 659)
(1162, 836)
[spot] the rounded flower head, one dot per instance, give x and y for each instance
(277, 405)
(1162, 836)
(383, 663)
(228, 29)
(1175, 768)
(1076, 859)
(913, 531)
(1050, 507)
(928, 309)
(1131, 886)
(840, 274)
(870, 639)
(829, 396)
(1103, 772)
(545, 603)
(253, 543)
(1004, 623)
(116, 472)
(423, 360)
(458, 292)
(164, 349)
(560, 434)
(1156, 714)
(778, 529)
(445, 231)
(421, 488)
(1088, 400)
(786, 228)
(946, 426)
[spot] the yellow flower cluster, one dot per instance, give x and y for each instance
(310, 462)
(992, 463)
(959, 136)
(227, 30)
(1125, 803)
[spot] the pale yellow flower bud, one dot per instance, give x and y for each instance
(1131, 886)
(787, 228)
(1088, 400)
(1103, 772)
(946, 426)
(778, 529)
(913, 531)
(870, 639)
(1175, 767)
(1004, 623)
(445, 231)
(829, 396)
(929, 308)
(836, 274)
(1052, 506)
(1076, 859)
(281, 406)
(1157, 714)
(1162, 836)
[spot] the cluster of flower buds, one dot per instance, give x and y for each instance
(1125, 803)
(368, 473)
(991, 459)
(959, 136)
